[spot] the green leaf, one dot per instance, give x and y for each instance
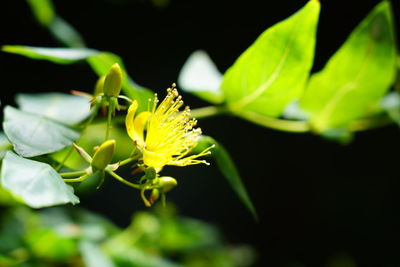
(391, 104)
(200, 76)
(102, 62)
(36, 183)
(33, 135)
(56, 55)
(272, 72)
(43, 10)
(357, 76)
(65, 108)
(229, 171)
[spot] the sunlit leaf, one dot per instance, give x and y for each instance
(229, 171)
(200, 76)
(33, 135)
(357, 76)
(65, 108)
(56, 55)
(391, 104)
(36, 183)
(272, 72)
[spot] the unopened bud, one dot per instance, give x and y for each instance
(103, 155)
(155, 194)
(113, 81)
(98, 89)
(166, 183)
(150, 173)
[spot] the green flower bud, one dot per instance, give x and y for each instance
(150, 173)
(103, 155)
(166, 183)
(98, 89)
(113, 81)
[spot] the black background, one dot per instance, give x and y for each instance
(316, 200)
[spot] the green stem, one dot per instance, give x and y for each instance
(72, 174)
(277, 124)
(79, 179)
(65, 158)
(205, 112)
(122, 180)
(109, 118)
(126, 161)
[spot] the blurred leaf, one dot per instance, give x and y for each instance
(47, 244)
(229, 171)
(56, 55)
(93, 256)
(272, 72)
(34, 135)
(200, 76)
(5, 145)
(94, 136)
(102, 62)
(45, 14)
(356, 76)
(43, 10)
(65, 33)
(36, 183)
(65, 108)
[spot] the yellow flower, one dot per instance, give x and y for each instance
(164, 134)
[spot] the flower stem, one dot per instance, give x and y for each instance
(109, 118)
(79, 179)
(277, 124)
(122, 180)
(205, 112)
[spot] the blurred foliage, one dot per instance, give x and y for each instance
(76, 237)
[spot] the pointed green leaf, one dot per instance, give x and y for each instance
(65, 108)
(36, 183)
(228, 170)
(272, 71)
(65, 33)
(357, 76)
(56, 55)
(200, 76)
(33, 135)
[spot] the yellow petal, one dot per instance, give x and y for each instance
(139, 125)
(129, 119)
(155, 160)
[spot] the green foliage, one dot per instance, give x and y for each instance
(272, 72)
(76, 237)
(357, 76)
(33, 135)
(36, 184)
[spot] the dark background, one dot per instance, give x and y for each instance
(317, 200)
